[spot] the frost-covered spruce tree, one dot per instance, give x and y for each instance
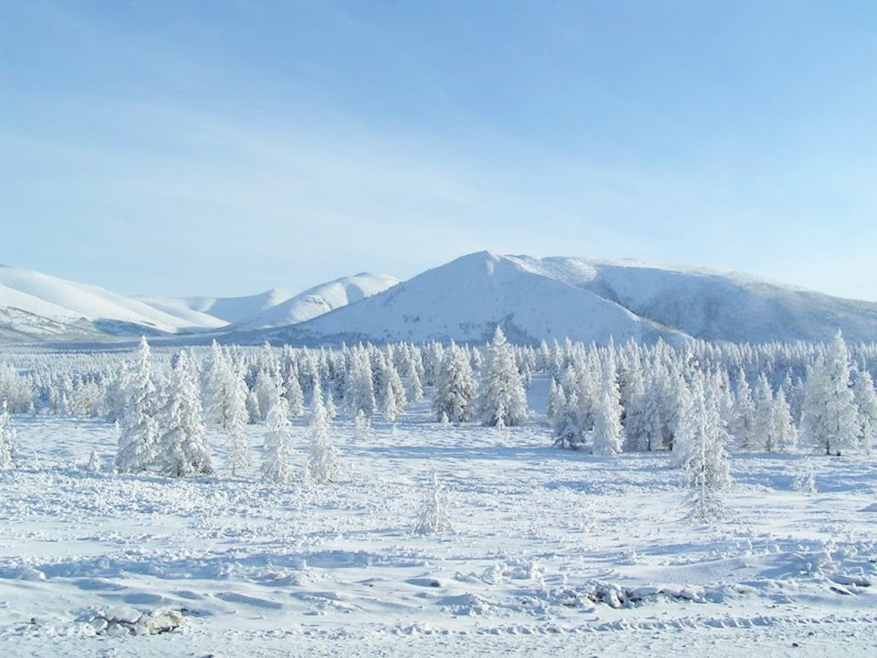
(389, 408)
(587, 385)
(455, 387)
(295, 396)
(567, 426)
(554, 406)
(277, 452)
(501, 386)
(608, 434)
(138, 425)
(783, 432)
(650, 436)
(636, 419)
(17, 390)
(264, 391)
(322, 466)
(762, 425)
(214, 381)
(331, 411)
(410, 374)
(394, 386)
(7, 437)
(805, 477)
(866, 400)
(181, 448)
(360, 392)
(500, 425)
(830, 420)
(361, 425)
(701, 450)
(684, 430)
(742, 428)
(254, 414)
(238, 456)
(434, 516)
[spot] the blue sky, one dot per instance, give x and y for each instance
(224, 148)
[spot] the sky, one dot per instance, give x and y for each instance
(223, 147)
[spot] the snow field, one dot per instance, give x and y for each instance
(548, 544)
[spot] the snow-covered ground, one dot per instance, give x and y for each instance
(555, 552)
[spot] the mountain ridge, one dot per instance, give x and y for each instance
(659, 302)
(533, 299)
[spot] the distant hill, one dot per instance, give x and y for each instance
(319, 300)
(36, 307)
(532, 298)
(589, 300)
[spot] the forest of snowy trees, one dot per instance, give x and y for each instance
(699, 401)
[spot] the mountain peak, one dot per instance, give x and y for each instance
(590, 300)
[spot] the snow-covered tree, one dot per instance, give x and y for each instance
(7, 437)
(636, 420)
(784, 436)
(608, 432)
(455, 387)
(648, 432)
(361, 425)
(409, 372)
(15, 389)
(181, 448)
(501, 387)
(830, 420)
(742, 428)
(331, 411)
(434, 516)
(138, 424)
(389, 408)
(805, 478)
(277, 452)
(762, 425)
(264, 393)
(322, 466)
(360, 393)
(214, 382)
(701, 451)
(238, 456)
(554, 406)
(389, 391)
(295, 396)
(866, 400)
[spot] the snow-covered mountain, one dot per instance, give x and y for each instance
(587, 300)
(319, 300)
(532, 298)
(714, 305)
(38, 307)
(35, 306)
(224, 310)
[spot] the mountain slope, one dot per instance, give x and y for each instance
(532, 298)
(319, 300)
(548, 298)
(466, 298)
(37, 305)
(714, 305)
(223, 311)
